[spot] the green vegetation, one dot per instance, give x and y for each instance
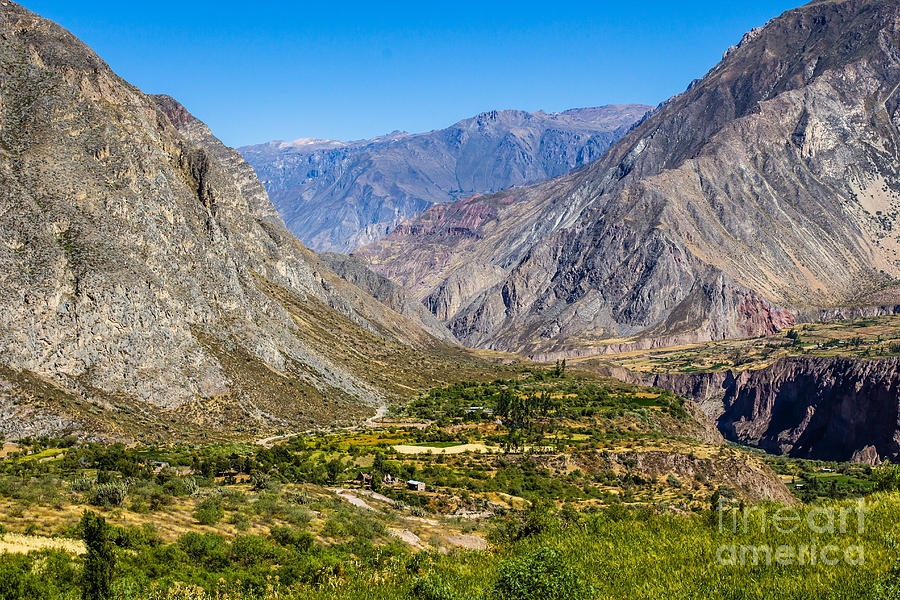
(551, 484)
(97, 573)
(612, 553)
(816, 480)
(542, 402)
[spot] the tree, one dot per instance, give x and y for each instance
(334, 468)
(96, 581)
(378, 463)
(886, 478)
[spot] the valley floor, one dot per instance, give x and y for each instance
(554, 483)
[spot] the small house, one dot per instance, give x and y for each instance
(416, 486)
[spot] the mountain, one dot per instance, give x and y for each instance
(767, 192)
(148, 286)
(337, 196)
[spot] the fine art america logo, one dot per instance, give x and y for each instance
(802, 532)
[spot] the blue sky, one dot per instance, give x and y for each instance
(256, 71)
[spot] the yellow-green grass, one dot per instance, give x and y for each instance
(646, 557)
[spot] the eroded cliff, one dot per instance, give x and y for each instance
(824, 408)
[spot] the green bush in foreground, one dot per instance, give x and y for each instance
(96, 579)
(613, 554)
(541, 574)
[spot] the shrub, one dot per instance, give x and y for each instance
(207, 550)
(345, 524)
(259, 481)
(292, 537)
(134, 538)
(182, 486)
(251, 550)
(887, 478)
(81, 484)
(19, 579)
(539, 575)
(534, 521)
(267, 505)
(209, 511)
(112, 493)
(233, 499)
(240, 520)
(432, 588)
(297, 516)
(149, 496)
(311, 570)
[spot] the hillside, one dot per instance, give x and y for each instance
(148, 286)
(765, 194)
(337, 196)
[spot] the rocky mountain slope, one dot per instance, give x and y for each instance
(357, 271)
(828, 408)
(766, 192)
(147, 285)
(337, 196)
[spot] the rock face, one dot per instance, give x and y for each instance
(768, 189)
(357, 271)
(337, 196)
(143, 269)
(832, 409)
(821, 408)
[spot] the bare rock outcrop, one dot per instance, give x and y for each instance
(357, 271)
(823, 408)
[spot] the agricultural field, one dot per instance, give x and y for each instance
(872, 337)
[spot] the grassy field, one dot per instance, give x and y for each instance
(640, 555)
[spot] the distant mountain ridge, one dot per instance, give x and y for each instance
(337, 196)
